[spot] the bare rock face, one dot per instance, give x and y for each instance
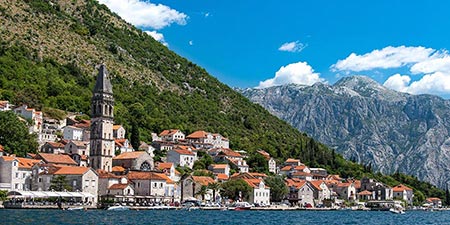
(369, 123)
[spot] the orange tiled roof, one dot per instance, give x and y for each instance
(1, 148)
(357, 184)
(366, 192)
(264, 153)
(130, 155)
(27, 163)
(140, 175)
(183, 152)
(168, 132)
(258, 174)
(295, 183)
(57, 159)
(197, 134)
(290, 160)
(69, 170)
(116, 127)
(8, 158)
(302, 174)
(82, 144)
(300, 168)
(118, 186)
(168, 180)
(203, 180)
(219, 166)
(286, 168)
(105, 174)
(166, 165)
(316, 184)
(433, 199)
(400, 188)
(344, 184)
(118, 169)
(222, 176)
(56, 144)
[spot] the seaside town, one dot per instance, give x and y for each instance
(90, 164)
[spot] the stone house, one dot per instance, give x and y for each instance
(53, 148)
(220, 168)
(118, 132)
(402, 192)
(181, 157)
(172, 135)
(138, 160)
(191, 185)
(15, 173)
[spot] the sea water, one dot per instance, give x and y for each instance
(161, 217)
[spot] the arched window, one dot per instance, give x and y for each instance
(110, 110)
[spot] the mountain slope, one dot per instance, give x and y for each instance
(48, 51)
(369, 123)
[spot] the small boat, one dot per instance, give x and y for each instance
(118, 208)
(75, 208)
(242, 206)
(397, 209)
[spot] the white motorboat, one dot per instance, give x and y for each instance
(75, 208)
(118, 208)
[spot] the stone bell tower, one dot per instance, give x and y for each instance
(102, 120)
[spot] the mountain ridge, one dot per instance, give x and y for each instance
(369, 123)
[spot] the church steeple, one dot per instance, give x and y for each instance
(102, 108)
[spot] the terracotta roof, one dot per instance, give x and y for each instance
(252, 182)
(264, 153)
(433, 199)
(302, 174)
(257, 175)
(226, 152)
(166, 165)
(116, 127)
(203, 180)
(219, 166)
(57, 159)
(168, 132)
(286, 168)
(8, 158)
(130, 155)
(168, 180)
(27, 163)
(357, 184)
(82, 144)
(300, 168)
(295, 183)
(105, 174)
(344, 184)
(84, 157)
(366, 192)
(118, 186)
(55, 144)
(197, 134)
(222, 176)
(183, 152)
(400, 188)
(316, 184)
(2, 148)
(69, 170)
(139, 175)
(290, 160)
(120, 141)
(118, 169)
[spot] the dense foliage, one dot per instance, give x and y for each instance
(60, 183)
(14, 135)
(278, 188)
(236, 189)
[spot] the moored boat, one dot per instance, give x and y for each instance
(242, 206)
(118, 208)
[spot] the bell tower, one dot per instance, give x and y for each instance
(102, 120)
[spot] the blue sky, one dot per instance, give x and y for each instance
(401, 44)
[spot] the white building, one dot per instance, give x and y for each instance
(272, 166)
(73, 133)
(5, 106)
(172, 135)
(181, 157)
(15, 173)
(205, 138)
(118, 132)
(35, 116)
(148, 183)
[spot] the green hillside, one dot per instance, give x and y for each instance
(48, 53)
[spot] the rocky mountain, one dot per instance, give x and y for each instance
(368, 123)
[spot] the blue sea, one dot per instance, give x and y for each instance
(9, 216)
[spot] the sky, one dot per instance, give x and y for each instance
(401, 44)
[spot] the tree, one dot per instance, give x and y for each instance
(59, 183)
(203, 191)
(3, 195)
(14, 135)
(278, 188)
(214, 187)
(258, 163)
(135, 139)
(234, 189)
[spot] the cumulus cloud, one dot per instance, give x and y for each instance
(388, 57)
(157, 36)
(435, 83)
(294, 46)
(191, 42)
(145, 13)
(297, 73)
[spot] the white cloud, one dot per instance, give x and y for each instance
(145, 13)
(440, 62)
(157, 36)
(207, 14)
(398, 82)
(388, 57)
(297, 73)
(294, 46)
(191, 42)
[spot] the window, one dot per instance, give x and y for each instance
(17, 175)
(39, 179)
(93, 183)
(16, 186)
(154, 185)
(161, 185)
(74, 183)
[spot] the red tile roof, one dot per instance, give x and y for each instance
(27, 163)
(301, 174)
(139, 175)
(69, 170)
(197, 135)
(8, 158)
(365, 192)
(222, 176)
(290, 160)
(116, 127)
(264, 153)
(118, 186)
(168, 132)
(286, 168)
(316, 184)
(203, 180)
(57, 159)
(118, 169)
(183, 152)
(401, 188)
(56, 144)
(219, 166)
(130, 155)
(2, 148)
(105, 174)
(165, 165)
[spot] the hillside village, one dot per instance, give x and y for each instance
(92, 162)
